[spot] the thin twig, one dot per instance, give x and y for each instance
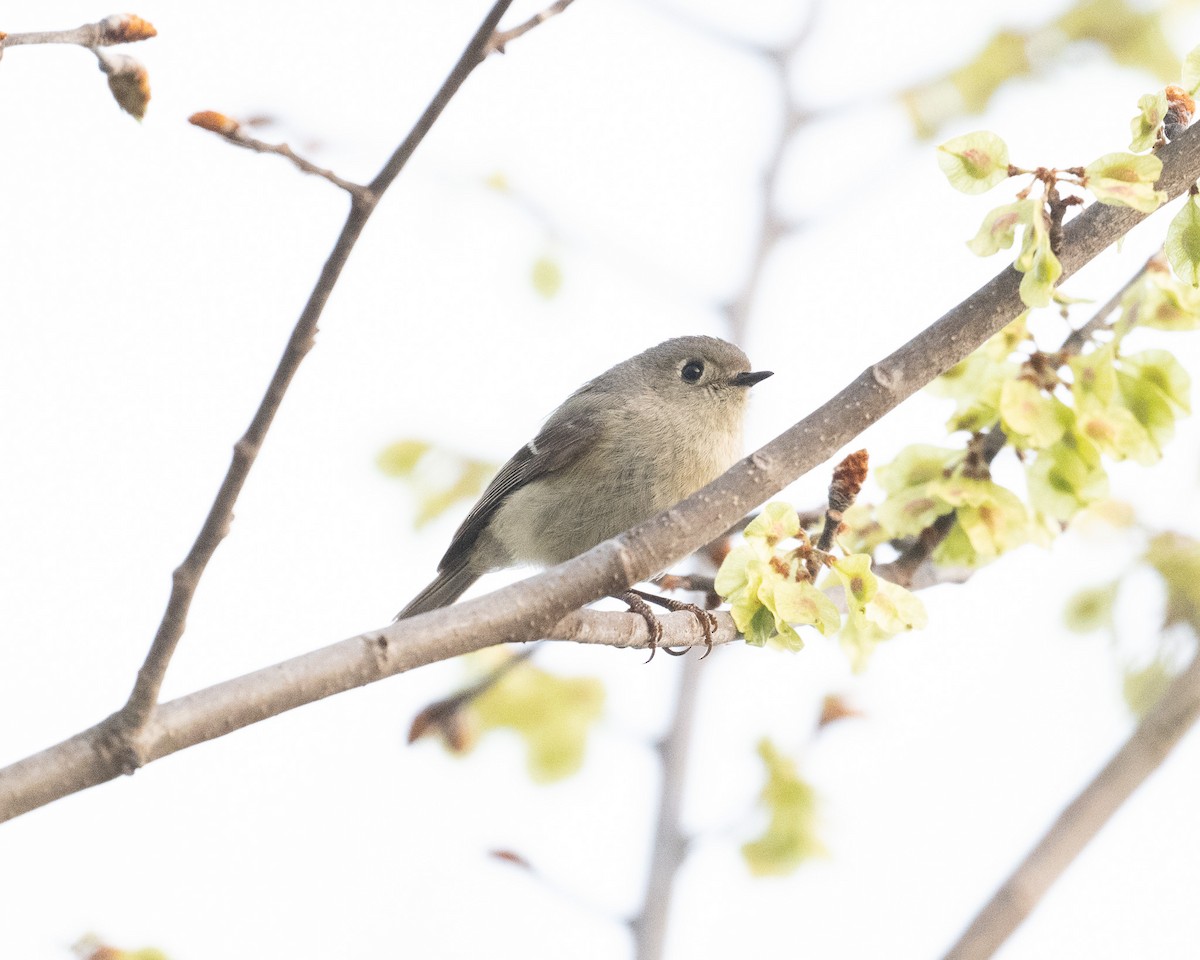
(441, 714)
(119, 28)
(1158, 733)
(137, 711)
(503, 37)
(233, 132)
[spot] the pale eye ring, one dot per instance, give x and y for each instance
(692, 371)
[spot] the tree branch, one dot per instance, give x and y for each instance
(670, 843)
(529, 609)
(1158, 733)
(133, 717)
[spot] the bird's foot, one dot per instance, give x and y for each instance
(637, 604)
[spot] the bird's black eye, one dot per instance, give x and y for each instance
(692, 371)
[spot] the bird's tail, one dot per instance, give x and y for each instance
(447, 587)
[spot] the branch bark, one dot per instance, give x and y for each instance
(1158, 733)
(530, 609)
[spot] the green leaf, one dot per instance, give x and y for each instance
(1176, 557)
(1094, 377)
(761, 627)
(1000, 225)
(955, 551)
(913, 481)
(799, 603)
(472, 476)
(993, 518)
(915, 465)
(1143, 687)
(1161, 301)
(1160, 370)
(546, 276)
(777, 522)
(738, 581)
(1150, 409)
(975, 162)
(1132, 35)
(1037, 286)
(1092, 608)
(1066, 477)
(1031, 418)
(1039, 264)
(1191, 72)
(1146, 125)
(1126, 167)
(400, 458)
(1183, 242)
(552, 714)
(1122, 193)
(876, 609)
(975, 384)
(791, 804)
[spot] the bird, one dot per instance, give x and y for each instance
(622, 448)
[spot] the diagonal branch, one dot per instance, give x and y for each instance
(137, 711)
(530, 609)
(1160, 730)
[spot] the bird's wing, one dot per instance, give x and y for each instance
(558, 446)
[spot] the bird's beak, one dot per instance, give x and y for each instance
(749, 378)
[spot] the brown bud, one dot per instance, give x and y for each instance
(125, 28)
(835, 708)
(215, 122)
(848, 477)
(510, 856)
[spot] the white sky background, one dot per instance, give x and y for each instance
(150, 276)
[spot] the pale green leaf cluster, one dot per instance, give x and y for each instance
(1123, 29)
(1063, 414)
(771, 591)
(552, 714)
(876, 608)
(925, 483)
(1175, 558)
(1161, 302)
(791, 804)
(439, 478)
(976, 162)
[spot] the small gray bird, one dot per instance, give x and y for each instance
(622, 448)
